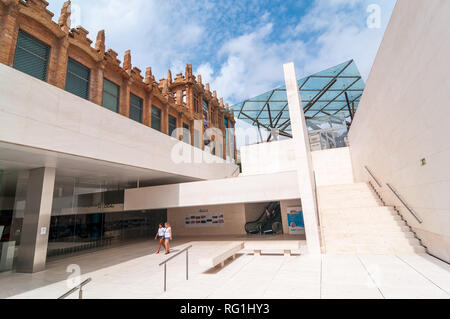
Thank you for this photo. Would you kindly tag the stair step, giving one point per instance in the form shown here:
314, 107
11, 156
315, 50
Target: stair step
354, 219
394, 224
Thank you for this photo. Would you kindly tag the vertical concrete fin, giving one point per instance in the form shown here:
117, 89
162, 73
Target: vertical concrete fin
303, 154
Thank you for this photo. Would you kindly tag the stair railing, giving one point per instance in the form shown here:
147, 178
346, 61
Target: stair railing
373, 176
417, 217
395, 192
74, 289
172, 257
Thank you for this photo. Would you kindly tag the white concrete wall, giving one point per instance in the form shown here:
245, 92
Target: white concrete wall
333, 166
267, 158
246, 189
404, 116
36, 114
234, 217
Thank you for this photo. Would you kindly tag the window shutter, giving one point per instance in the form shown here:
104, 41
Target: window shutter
111, 95
172, 124
78, 79
156, 118
31, 56
136, 104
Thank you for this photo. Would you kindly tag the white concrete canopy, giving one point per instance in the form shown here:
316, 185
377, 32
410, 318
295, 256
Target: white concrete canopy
40, 116
247, 189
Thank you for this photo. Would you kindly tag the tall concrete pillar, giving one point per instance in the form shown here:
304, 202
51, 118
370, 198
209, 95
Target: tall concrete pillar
303, 154
36, 221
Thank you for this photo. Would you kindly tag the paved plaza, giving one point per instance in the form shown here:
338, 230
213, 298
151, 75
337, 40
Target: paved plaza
132, 271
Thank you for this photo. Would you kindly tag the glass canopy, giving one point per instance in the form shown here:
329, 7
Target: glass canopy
333, 92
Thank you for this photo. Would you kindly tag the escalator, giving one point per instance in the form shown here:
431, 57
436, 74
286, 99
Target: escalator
268, 223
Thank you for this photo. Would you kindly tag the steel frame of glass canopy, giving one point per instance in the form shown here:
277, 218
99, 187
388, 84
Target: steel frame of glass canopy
333, 92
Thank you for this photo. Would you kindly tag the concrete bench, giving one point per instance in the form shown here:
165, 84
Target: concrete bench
286, 247
222, 254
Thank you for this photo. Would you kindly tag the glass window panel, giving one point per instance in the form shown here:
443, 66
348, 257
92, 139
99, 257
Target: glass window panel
333, 71
344, 83
262, 97
351, 70
279, 96
316, 83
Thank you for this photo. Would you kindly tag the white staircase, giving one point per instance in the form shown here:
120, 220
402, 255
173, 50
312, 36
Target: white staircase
353, 220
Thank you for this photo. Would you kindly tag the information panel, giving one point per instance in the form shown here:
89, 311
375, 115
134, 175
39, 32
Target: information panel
204, 219
295, 220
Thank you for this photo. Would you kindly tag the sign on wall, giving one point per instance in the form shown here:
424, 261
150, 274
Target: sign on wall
295, 220
204, 219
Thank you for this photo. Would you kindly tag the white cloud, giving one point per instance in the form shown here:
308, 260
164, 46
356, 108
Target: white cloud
206, 71
332, 32
158, 33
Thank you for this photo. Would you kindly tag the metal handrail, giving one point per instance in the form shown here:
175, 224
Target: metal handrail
172, 257
78, 287
417, 217
373, 176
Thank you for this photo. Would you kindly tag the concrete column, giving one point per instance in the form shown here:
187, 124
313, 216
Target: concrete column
36, 222
303, 155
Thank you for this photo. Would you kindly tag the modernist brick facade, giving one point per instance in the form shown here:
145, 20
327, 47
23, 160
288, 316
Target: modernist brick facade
181, 97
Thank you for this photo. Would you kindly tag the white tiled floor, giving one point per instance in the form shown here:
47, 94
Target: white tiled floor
132, 271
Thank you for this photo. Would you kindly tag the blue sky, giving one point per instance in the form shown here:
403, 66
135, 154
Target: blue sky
237, 46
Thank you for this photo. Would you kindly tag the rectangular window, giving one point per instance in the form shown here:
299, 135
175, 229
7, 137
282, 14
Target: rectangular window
78, 79
136, 105
156, 118
172, 124
205, 113
111, 95
186, 134
31, 56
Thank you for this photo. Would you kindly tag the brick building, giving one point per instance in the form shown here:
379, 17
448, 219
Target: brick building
32, 42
